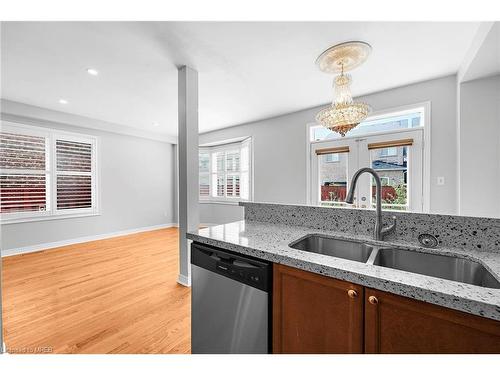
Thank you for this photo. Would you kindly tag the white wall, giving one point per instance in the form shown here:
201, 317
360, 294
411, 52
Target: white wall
219, 213
137, 182
479, 143
280, 148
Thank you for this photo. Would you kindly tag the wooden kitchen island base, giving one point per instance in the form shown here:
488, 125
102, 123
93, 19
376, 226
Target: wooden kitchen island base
318, 314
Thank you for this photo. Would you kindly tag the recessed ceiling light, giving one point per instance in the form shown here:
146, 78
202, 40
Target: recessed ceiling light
63, 101
92, 72
156, 124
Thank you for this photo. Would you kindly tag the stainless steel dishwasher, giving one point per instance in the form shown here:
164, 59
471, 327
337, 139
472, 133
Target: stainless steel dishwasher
230, 302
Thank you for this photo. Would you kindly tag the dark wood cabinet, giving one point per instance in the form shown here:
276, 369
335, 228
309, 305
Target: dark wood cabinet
395, 324
315, 314
319, 314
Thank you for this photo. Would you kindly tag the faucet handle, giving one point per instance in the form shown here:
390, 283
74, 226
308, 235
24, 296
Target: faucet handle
391, 228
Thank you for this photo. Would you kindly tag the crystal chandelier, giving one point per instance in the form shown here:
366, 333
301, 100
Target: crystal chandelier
344, 113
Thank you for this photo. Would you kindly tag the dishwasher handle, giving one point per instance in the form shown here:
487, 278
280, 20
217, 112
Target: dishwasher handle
250, 271
226, 258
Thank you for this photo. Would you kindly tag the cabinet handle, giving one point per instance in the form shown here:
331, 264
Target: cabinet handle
373, 300
352, 293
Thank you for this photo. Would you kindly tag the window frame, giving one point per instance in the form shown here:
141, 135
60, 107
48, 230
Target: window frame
212, 173
52, 213
385, 178
423, 108
315, 177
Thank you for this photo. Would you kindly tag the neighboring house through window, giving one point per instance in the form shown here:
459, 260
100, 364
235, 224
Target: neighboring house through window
332, 158
46, 173
385, 181
388, 151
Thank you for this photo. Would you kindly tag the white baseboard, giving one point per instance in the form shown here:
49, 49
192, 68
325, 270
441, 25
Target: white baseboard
184, 280
72, 241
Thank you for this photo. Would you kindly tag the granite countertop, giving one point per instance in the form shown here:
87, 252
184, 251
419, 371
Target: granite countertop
270, 242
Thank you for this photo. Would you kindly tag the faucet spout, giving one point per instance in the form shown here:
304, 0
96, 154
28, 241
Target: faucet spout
379, 231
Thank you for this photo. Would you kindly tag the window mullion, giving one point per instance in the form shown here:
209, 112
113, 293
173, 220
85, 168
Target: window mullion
51, 154
225, 184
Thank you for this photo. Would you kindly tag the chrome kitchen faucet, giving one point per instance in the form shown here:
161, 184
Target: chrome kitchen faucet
380, 232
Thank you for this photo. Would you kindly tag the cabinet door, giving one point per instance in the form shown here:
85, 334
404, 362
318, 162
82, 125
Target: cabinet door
395, 324
315, 314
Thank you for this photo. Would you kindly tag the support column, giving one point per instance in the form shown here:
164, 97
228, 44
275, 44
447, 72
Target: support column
188, 166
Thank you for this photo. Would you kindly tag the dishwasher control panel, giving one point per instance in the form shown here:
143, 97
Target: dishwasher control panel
249, 271
240, 273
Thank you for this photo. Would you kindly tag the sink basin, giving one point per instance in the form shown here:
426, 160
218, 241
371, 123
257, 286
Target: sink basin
444, 267
351, 250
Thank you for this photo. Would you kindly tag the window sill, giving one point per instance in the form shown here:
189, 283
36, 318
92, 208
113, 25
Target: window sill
228, 203
45, 218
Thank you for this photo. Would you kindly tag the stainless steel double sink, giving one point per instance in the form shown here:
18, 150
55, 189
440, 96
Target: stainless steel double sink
436, 265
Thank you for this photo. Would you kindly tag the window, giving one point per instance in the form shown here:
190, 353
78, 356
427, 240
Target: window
391, 164
332, 173
225, 172
388, 151
391, 144
204, 169
384, 180
46, 173
409, 119
332, 158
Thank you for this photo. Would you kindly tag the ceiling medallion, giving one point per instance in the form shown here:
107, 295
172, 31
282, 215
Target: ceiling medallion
343, 114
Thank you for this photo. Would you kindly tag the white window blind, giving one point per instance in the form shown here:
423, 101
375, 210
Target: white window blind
225, 172
46, 173
74, 174
24, 172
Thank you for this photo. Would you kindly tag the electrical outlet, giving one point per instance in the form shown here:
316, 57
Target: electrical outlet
440, 180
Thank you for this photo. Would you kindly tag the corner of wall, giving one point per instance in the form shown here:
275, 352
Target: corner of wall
458, 141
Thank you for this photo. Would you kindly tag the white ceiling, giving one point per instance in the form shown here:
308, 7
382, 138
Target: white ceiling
486, 57
247, 71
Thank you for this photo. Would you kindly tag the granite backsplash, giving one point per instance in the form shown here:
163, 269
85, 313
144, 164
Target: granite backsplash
451, 231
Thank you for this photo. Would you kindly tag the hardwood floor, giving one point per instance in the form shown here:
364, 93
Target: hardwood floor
118, 295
